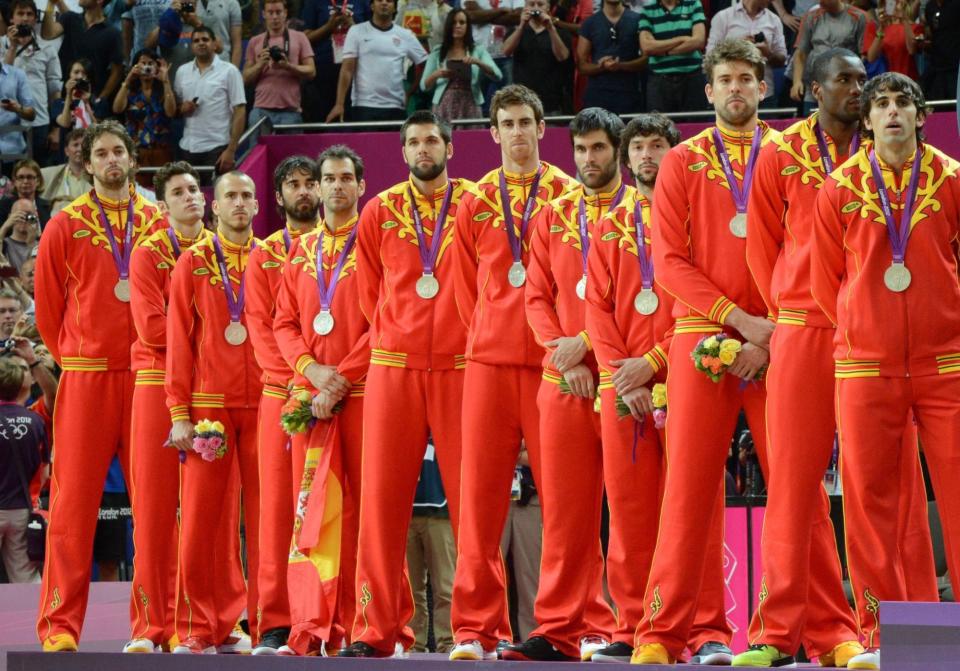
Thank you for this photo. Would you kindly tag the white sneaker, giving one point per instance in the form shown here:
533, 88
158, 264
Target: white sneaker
590, 645
399, 652
237, 643
471, 651
140, 645
869, 659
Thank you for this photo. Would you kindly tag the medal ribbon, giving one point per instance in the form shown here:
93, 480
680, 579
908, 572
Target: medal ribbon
122, 262
516, 243
173, 242
287, 242
825, 152
324, 290
234, 301
646, 263
739, 193
428, 257
898, 237
582, 220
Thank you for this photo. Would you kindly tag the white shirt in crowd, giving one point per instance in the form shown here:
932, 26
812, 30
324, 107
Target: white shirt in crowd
734, 22
381, 56
217, 90
41, 62
492, 35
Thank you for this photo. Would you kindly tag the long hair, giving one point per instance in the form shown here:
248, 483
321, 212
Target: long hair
447, 43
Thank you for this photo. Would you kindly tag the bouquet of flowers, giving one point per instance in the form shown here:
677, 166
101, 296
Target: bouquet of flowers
714, 354
297, 414
659, 394
209, 440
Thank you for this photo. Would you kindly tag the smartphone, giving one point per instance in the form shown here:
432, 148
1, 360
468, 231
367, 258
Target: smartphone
8, 271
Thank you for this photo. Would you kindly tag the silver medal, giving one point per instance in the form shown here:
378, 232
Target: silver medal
323, 322
427, 286
897, 277
517, 275
582, 288
122, 290
738, 225
235, 333
646, 302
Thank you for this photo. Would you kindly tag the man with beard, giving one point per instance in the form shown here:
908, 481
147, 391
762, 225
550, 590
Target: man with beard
503, 360
155, 471
84, 318
415, 381
571, 472
630, 324
699, 255
212, 375
296, 189
323, 337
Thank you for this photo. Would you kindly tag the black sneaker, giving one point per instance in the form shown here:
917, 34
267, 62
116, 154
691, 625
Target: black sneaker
615, 652
272, 641
361, 649
536, 649
713, 653
502, 645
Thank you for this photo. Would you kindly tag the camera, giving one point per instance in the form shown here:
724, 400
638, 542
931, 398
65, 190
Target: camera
148, 70
30, 218
759, 37
7, 346
82, 85
187, 8
23, 30
276, 53
535, 14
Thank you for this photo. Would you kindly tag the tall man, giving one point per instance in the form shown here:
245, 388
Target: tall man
296, 190
571, 477
212, 375
416, 371
503, 360
801, 590
84, 318
698, 249
883, 269
323, 337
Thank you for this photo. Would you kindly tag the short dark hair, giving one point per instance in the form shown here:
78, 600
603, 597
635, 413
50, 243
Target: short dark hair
820, 66
74, 134
232, 173
653, 123
11, 379
168, 172
734, 50
204, 29
424, 118
93, 133
341, 151
291, 164
597, 118
264, 3
23, 4
515, 94
893, 82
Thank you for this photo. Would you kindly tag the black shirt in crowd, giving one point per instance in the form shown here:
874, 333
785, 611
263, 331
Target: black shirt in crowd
535, 66
101, 44
23, 437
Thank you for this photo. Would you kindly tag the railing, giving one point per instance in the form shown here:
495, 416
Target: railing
249, 138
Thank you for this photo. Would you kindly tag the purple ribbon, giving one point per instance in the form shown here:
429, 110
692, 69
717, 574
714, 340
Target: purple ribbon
428, 257
122, 262
324, 290
825, 152
739, 194
234, 301
582, 220
898, 236
646, 263
515, 243
173, 242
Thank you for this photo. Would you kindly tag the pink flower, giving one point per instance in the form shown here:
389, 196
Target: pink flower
659, 418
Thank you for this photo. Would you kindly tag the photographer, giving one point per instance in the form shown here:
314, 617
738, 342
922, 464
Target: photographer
22, 47
541, 56
146, 102
27, 183
75, 109
277, 61
19, 233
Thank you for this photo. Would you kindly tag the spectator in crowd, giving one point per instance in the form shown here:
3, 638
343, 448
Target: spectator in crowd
431, 554
147, 105
791, 15
16, 106
894, 39
74, 109
11, 309
176, 24
833, 24
19, 233
67, 181
672, 34
491, 19
326, 25
522, 543
752, 20
22, 47
941, 21
26, 283
137, 21
214, 103
87, 36
277, 61
23, 447
376, 70
453, 70
424, 18
27, 184
541, 56
608, 54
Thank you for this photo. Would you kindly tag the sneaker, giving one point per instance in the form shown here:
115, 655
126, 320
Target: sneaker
536, 649
502, 645
195, 646
361, 649
869, 659
591, 644
60, 643
271, 642
471, 651
713, 653
615, 652
140, 645
651, 653
237, 643
399, 652
764, 656
841, 655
